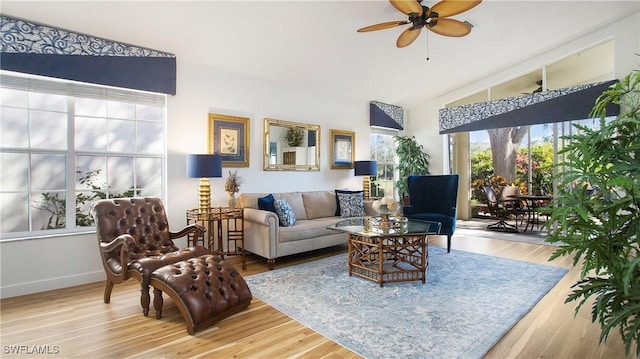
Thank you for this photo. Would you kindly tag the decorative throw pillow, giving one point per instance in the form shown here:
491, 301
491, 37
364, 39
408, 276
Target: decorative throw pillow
267, 203
338, 191
351, 204
285, 213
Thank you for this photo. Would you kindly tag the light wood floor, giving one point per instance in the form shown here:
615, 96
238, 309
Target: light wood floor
74, 322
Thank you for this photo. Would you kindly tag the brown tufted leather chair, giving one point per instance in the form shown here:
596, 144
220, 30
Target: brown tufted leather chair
134, 239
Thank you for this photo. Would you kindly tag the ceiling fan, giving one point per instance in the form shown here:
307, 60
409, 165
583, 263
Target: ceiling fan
435, 19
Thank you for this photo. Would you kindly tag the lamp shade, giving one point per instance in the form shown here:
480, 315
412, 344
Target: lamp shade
366, 168
204, 166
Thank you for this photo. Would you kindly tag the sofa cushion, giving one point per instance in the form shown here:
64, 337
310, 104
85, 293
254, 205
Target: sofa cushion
285, 214
351, 204
338, 191
319, 204
295, 201
307, 229
266, 203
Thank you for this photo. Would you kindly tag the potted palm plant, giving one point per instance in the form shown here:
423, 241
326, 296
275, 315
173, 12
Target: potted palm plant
412, 160
601, 231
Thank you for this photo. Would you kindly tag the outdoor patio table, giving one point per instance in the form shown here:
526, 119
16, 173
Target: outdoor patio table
533, 202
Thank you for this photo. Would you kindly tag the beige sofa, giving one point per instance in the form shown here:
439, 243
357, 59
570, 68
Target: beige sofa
314, 212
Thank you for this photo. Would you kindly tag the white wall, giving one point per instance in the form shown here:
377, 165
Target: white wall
31, 266
202, 90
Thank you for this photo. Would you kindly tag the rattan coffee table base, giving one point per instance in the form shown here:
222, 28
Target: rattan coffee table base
388, 259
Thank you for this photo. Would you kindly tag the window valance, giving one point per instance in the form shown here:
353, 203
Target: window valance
560, 105
386, 116
37, 49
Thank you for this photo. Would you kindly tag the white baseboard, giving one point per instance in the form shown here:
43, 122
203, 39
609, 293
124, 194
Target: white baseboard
46, 284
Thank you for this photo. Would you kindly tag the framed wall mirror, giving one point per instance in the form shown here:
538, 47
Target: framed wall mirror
291, 146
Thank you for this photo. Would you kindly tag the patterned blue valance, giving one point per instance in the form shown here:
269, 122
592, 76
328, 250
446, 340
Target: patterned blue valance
385, 115
560, 105
38, 49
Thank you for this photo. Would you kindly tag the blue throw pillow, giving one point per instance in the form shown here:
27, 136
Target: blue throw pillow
266, 203
338, 191
351, 204
285, 213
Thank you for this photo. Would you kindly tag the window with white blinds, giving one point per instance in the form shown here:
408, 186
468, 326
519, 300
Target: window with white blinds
65, 144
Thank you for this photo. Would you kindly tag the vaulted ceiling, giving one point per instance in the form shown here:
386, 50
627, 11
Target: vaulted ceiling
314, 44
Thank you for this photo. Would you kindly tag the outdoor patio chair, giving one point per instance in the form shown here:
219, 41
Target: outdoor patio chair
500, 209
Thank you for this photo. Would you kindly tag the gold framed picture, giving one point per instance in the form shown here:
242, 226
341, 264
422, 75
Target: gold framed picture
342, 149
229, 138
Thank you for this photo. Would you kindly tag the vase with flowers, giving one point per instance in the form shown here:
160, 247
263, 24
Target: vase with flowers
232, 186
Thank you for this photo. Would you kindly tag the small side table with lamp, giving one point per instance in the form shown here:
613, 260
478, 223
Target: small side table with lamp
218, 221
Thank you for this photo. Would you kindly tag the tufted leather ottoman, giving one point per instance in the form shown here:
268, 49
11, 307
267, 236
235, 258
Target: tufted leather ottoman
205, 289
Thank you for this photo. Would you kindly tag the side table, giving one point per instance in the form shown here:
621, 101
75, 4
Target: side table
221, 223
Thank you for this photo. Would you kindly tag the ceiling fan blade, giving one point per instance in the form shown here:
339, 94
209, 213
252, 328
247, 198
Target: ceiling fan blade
450, 27
384, 25
407, 37
407, 6
446, 8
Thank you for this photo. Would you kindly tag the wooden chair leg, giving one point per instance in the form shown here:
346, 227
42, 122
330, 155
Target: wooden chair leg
157, 302
145, 299
107, 291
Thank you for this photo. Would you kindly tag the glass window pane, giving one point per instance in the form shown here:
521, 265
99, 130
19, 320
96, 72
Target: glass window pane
91, 173
14, 98
91, 133
48, 172
48, 211
481, 164
45, 101
150, 113
121, 110
120, 173
14, 128
525, 84
83, 207
15, 212
150, 192
148, 172
90, 107
150, 138
591, 65
49, 130
120, 136
14, 172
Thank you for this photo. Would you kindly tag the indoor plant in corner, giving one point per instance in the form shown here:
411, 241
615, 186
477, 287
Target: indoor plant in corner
601, 230
412, 160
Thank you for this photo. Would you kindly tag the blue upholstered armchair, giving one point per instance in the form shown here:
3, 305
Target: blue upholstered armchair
434, 198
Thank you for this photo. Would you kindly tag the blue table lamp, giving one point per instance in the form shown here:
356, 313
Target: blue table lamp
366, 169
204, 166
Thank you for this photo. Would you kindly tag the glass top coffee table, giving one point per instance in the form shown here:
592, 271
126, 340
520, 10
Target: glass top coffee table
388, 253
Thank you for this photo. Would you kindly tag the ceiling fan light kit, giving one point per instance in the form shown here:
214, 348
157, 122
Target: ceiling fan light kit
436, 19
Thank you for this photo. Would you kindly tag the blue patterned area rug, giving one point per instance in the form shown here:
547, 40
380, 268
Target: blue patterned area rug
467, 304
